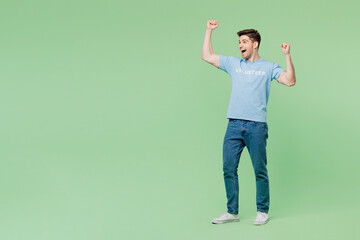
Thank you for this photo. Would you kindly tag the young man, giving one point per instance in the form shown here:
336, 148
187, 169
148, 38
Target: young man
251, 77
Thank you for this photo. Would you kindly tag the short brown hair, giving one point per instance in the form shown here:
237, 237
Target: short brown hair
253, 34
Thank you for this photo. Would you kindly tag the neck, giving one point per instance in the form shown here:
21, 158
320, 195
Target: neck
253, 57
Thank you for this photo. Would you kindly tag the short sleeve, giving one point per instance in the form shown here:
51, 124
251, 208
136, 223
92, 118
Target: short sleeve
224, 63
276, 71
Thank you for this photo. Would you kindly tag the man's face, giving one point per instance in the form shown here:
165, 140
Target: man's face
247, 47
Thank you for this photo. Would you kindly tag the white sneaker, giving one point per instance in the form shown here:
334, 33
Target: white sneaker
225, 218
261, 218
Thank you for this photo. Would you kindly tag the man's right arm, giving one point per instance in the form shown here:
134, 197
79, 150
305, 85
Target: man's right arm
207, 52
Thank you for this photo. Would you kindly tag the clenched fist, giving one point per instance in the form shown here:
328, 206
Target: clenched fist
285, 47
212, 24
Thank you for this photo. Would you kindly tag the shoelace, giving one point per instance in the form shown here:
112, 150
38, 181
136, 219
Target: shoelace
260, 215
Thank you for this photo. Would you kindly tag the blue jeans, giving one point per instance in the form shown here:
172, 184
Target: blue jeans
253, 135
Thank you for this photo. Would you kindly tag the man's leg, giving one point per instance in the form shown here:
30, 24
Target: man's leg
255, 139
232, 148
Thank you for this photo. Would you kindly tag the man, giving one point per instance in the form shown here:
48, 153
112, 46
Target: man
251, 77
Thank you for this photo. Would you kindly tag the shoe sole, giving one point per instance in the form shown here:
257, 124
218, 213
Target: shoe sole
260, 223
226, 221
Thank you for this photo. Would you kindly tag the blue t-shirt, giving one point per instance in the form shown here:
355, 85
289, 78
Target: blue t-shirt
250, 89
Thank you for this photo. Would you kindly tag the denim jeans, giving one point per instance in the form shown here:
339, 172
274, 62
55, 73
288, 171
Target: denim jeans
253, 135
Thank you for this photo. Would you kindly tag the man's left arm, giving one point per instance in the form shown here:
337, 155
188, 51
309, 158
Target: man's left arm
287, 77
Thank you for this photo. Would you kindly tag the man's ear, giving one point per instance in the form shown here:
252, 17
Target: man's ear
256, 45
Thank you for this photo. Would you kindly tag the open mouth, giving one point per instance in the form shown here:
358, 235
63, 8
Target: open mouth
242, 51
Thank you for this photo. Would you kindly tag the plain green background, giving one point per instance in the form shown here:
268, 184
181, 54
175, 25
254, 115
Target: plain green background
112, 124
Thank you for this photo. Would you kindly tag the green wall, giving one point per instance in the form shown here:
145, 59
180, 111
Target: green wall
111, 124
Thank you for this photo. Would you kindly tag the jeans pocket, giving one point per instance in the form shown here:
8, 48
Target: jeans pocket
266, 131
231, 121
260, 125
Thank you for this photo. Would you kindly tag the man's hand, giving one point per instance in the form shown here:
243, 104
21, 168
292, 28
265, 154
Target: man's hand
212, 24
285, 47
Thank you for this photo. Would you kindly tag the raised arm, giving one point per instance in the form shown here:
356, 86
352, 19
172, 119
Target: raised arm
207, 52
287, 77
